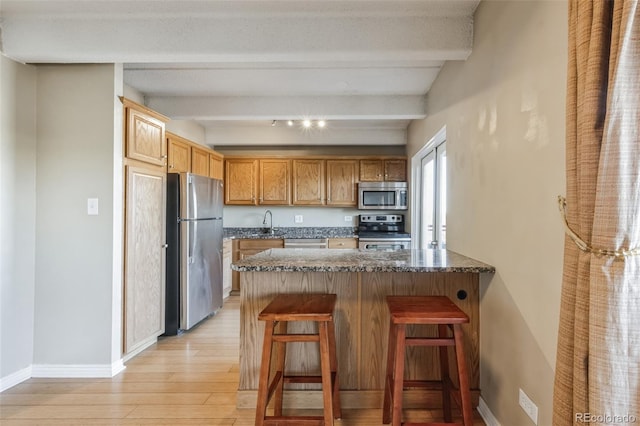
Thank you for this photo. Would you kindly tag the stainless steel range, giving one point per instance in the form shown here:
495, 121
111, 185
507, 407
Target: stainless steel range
382, 232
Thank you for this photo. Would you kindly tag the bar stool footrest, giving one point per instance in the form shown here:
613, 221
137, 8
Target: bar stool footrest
294, 420
302, 379
431, 424
422, 384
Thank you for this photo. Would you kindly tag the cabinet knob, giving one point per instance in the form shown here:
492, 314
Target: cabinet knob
164, 157
165, 246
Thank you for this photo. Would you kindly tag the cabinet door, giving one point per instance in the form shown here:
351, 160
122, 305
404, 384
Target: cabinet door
395, 170
308, 182
342, 178
371, 170
227, 253
240, 181
145, 138
216, 170
248, 247
343, 243
199, 161
179, 155
274, 182
144, 266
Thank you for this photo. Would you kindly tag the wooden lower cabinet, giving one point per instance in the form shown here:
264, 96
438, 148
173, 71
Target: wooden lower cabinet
342, 243
362, 326
145, 255
227, 256
248, 247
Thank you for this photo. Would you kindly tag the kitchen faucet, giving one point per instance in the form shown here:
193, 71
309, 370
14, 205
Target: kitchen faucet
264, 220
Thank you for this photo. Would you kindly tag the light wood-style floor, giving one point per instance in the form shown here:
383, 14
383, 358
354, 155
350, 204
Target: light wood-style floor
190, 379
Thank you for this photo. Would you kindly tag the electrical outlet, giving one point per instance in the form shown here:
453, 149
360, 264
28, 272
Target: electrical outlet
348, 218
297, 218
528, 406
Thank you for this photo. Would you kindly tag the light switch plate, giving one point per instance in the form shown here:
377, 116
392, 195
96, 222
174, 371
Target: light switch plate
92, 206
297, 218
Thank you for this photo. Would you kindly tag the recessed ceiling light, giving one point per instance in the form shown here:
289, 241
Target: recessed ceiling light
306, 123
290, 123
321, 123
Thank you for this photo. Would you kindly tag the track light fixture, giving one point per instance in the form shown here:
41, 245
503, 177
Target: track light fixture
305, 124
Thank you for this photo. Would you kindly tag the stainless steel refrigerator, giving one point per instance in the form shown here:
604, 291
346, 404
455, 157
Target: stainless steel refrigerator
194, 252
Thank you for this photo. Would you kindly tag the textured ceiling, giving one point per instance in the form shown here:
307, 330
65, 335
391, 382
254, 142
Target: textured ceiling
234, 66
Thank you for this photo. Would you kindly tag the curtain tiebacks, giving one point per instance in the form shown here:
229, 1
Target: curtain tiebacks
586, 247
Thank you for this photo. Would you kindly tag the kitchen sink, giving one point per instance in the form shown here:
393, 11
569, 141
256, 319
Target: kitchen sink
273, 232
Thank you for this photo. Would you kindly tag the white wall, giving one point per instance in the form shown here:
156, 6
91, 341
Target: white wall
504, 113
187, 129
133, 94
79, 136
17, 219
243, 216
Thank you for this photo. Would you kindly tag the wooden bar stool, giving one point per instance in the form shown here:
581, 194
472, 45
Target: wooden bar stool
440, 311
298, 307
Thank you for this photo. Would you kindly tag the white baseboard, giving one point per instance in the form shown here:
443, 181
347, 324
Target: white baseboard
486, 414
15, 378
78, 370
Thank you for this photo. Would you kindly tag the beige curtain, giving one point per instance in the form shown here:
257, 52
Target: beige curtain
598, 359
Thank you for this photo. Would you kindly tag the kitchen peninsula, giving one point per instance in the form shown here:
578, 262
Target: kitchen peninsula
361, 279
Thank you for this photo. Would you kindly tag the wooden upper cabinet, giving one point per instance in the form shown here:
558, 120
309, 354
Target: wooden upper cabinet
308, 182
371, 170
342, 180
392, 170
395, 170
274, 187
145, 138
199, 161
216, 166
179, 154
240, 181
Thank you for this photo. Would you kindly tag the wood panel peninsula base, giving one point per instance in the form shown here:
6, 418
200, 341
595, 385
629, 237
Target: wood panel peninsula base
361, 279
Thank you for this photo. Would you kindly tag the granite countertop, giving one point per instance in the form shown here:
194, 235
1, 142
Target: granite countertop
291, 232
355, 260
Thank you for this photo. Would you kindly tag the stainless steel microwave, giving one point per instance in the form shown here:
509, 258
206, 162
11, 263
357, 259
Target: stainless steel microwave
382, 196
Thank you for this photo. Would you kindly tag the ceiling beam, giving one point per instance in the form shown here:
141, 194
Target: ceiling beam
285, 136
192, 37
290, 107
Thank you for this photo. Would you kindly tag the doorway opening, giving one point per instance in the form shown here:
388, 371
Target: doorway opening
429, 195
